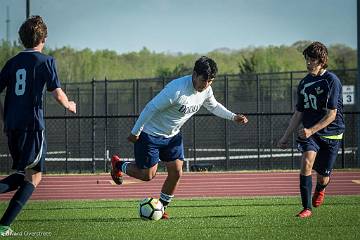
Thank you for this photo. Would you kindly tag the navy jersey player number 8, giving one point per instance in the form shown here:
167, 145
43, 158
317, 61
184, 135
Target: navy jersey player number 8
20, 82
24, 77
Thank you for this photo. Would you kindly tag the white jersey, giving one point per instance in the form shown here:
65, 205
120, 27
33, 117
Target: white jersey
165, 114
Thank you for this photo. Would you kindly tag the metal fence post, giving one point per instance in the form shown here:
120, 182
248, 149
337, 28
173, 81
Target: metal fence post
66, 137
9, 159
137, 111
258, 135
163, 82
292, 109
194, 138
227, 140
106, 125
343, 152
93, 126
270, 123
134, 97
357, 92
78, 109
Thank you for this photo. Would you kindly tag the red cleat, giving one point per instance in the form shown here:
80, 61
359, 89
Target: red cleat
318, 198
165, 216
304, 213
116, 174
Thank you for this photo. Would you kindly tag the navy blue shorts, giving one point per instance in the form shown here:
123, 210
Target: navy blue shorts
149, 150
27, 149
326, 149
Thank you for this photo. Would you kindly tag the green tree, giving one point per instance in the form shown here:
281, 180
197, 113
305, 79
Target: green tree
83, 65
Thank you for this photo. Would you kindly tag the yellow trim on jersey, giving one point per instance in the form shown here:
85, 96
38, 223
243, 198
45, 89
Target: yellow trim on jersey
335, 137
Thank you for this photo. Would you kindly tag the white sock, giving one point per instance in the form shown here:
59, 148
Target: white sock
165, 198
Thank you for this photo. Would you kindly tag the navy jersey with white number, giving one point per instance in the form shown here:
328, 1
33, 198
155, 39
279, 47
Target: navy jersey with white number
315, 96
24, 77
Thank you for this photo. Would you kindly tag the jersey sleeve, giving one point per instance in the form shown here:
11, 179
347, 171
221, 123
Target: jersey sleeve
217, 108
161, 101
334, 93
146, 114
52, 81
167, 97
210, 102
223, 112
300, 99
4, 77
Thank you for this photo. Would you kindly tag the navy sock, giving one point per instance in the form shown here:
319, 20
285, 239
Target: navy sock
319, 187
11, 182
17, 202
305, 191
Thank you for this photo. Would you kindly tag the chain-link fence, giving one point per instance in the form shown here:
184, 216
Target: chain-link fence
107, 111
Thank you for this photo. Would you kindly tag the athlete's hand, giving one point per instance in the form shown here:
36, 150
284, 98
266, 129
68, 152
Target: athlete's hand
305, 133
282, 143
132, 138
72, 107
239, 118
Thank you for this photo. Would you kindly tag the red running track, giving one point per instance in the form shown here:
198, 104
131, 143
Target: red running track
210, 184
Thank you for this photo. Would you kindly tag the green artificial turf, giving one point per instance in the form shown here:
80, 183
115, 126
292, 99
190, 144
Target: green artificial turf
208, 218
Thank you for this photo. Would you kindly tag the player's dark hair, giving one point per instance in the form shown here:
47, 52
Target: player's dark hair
206, 67
32, 32
318, 51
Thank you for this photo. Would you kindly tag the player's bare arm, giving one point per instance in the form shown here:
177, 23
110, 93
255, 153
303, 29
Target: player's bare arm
61, 98
294, 123
323, 123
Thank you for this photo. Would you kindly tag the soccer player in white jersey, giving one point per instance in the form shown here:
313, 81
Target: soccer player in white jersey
156, 134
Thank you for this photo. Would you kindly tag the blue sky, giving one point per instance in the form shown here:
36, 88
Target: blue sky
188, 26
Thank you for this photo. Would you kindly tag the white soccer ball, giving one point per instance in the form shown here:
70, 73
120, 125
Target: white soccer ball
151, 209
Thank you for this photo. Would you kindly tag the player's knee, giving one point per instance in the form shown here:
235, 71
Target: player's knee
34, 179
307, 166
36, 182
148, 176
